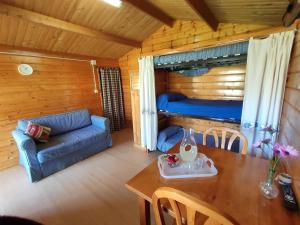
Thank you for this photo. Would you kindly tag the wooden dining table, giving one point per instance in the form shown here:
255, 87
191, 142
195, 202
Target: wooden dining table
234, 190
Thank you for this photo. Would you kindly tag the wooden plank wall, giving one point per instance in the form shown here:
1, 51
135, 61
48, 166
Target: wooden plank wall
56, 86
135, 97
220, 83
188, 35
161, 81
183, 36
290, 121
129, 71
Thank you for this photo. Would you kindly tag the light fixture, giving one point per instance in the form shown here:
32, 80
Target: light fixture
115, 3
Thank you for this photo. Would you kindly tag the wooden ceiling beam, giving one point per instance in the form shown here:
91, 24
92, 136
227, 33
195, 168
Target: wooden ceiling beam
200, 7
23, 51
30, 52
153, 11
38, 18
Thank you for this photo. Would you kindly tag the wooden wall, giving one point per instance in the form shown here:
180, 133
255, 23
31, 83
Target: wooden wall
290, 121
183, 36
128, 73
220, 83
161, 81
56, 86
190, 35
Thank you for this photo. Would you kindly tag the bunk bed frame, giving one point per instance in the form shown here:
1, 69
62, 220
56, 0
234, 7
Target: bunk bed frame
168, 114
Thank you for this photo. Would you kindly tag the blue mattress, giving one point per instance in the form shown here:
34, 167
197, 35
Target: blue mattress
223, 110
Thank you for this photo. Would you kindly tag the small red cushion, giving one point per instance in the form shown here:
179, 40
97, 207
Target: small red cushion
38, 132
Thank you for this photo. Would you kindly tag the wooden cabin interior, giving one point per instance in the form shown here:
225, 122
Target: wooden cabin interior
149, 112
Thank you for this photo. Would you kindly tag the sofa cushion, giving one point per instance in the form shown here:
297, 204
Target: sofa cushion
67, 143
60, 123
38, 132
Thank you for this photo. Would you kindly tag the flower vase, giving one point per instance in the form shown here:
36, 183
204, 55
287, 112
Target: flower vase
267, 188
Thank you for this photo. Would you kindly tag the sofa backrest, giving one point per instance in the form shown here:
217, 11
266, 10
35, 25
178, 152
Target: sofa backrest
60, 123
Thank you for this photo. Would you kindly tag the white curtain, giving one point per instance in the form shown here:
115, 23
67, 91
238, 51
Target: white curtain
148, 112
267, 66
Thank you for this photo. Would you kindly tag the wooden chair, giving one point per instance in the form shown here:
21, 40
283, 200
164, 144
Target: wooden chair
192, 205
224, 131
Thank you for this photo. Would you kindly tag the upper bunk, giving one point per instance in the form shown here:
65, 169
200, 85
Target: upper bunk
189, 68
175, 104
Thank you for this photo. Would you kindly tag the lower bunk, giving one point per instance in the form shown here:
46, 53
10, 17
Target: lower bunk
171, 131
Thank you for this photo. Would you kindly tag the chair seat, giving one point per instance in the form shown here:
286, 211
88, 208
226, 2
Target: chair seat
67, 143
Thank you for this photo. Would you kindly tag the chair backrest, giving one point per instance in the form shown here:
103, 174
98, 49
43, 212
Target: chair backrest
192, 205
224, 131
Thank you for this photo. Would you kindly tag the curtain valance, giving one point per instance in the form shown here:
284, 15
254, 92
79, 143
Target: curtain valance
226, 50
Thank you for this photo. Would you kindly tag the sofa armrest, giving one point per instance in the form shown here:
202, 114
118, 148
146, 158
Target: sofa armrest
24, 142
28, 155
100, 122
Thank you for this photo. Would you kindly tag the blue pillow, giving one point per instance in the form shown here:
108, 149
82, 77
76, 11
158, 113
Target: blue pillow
174, 97
166, 134
163, 99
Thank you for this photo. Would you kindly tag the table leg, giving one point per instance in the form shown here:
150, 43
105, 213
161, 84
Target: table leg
144, 207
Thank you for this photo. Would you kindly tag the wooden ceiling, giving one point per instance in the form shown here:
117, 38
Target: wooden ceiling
267, 12
127, 22
94, 28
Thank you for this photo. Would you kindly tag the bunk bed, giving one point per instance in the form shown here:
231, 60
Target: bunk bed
175, 104
176, 110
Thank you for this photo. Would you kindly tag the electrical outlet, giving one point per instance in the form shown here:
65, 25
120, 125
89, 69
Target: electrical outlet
93, 62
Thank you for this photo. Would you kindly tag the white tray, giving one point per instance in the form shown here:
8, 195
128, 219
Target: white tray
187, 169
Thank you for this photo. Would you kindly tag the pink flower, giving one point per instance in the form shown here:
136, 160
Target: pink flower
291, 150
283, 151
277, 148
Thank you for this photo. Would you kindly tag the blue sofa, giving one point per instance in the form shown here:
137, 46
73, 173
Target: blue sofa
74, 136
